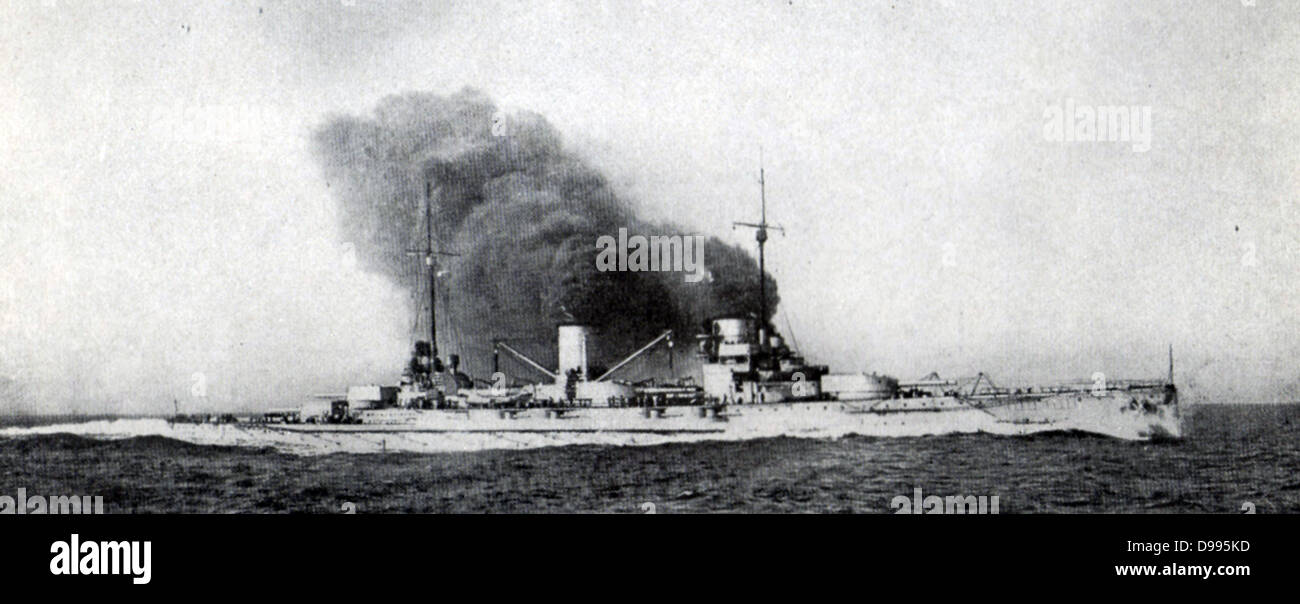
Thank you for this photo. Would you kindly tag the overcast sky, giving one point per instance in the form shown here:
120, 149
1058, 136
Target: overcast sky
165, 232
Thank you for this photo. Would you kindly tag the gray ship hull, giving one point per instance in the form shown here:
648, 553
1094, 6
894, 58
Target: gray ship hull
1131, 414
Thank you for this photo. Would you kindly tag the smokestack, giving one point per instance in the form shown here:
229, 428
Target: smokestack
572, 346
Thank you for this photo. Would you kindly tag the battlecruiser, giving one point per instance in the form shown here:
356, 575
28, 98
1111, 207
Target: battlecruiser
751, 383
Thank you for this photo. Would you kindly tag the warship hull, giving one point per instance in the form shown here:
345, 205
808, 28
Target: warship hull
1131, 414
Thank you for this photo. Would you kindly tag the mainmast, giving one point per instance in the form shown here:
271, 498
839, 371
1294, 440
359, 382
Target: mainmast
761, 229
762, 259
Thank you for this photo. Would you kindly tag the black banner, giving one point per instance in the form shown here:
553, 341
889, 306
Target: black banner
299, 554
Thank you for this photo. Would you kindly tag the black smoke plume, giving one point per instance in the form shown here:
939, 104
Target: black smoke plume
524, 213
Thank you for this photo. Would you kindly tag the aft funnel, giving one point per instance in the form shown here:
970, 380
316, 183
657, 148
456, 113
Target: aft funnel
572, 347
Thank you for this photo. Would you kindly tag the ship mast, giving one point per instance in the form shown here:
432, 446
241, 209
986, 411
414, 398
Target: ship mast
761, 229
433, 269
762, 259
1171, 363
430, 261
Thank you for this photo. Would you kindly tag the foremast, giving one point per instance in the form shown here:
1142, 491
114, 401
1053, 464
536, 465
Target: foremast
426, 364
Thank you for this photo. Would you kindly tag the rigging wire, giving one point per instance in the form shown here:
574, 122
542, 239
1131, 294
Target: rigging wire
790, 329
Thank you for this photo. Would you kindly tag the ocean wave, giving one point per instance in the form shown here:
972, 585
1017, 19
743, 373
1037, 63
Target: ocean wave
324, 443
300, 442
